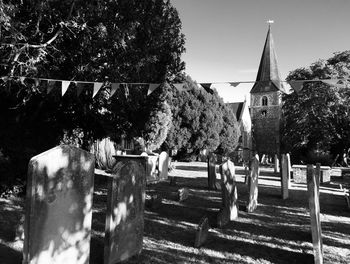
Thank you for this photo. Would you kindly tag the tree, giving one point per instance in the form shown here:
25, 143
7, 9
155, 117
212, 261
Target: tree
200, 121
316, 121
107, 41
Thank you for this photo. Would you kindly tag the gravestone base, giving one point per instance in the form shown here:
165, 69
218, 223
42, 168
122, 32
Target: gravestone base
153, 201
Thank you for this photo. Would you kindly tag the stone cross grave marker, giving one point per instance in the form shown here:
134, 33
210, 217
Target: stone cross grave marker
163, 165
253, 185
229, 189
59, 207
211, 171
313, 182
125, 209
285, 176
202, 232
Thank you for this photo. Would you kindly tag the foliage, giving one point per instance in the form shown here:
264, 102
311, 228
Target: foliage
106, 41
200, 121
317, 119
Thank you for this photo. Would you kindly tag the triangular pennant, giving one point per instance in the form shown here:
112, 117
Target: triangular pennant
152, 87
65, 85
114, 88
80, 88
5, 78
50, 86
126, 90
234, 84
206, 87
331, 81
296, 85
97, 87
36, 82
179, 86
21, 79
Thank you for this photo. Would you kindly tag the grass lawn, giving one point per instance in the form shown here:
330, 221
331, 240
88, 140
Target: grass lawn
277, 232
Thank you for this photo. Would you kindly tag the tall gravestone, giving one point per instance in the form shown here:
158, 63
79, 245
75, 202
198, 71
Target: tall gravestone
314, 205
285, 176
163, 165
276, 164
211, 171
125, 209
229, 190
59, 207
253, 184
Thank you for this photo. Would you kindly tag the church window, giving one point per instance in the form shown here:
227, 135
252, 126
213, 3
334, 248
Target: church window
263, 113
264, 101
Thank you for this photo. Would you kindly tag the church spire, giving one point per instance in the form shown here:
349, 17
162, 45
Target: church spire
268, 78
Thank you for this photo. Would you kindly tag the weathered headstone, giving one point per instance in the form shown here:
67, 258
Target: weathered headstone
314, 205
163, 165
59, 207
211, 171
276, 164
285, 176
253, 184
125, 209
229, 189
152, 172
202, 232
223, 218
183, 194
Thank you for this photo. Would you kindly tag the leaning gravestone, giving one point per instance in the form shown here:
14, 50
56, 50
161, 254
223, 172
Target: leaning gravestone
253, 184
58, 207
163, 165
229, 189
314, 205
125, 209
202, 232
211, 171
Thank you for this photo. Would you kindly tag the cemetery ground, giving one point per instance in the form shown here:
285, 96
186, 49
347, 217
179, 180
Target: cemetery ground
278, 231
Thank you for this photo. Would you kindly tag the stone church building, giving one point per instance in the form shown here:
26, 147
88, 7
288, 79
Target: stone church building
265, 102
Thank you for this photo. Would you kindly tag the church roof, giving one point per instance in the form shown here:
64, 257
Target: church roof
268, 78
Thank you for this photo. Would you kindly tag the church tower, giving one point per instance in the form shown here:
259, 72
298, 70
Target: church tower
265, 104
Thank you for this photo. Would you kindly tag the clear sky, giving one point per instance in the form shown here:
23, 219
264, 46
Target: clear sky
225, 38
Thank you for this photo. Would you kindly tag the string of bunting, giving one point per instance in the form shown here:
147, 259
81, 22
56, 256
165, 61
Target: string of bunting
51, 84
297, 85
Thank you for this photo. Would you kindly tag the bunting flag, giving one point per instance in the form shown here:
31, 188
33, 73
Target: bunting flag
296, 85
179, 86
97, 87
207, 86
114, 88
80, 88
36, 82
126, 90
152, 87
332, 82
50, 86
234, 84
21, 79
65, 85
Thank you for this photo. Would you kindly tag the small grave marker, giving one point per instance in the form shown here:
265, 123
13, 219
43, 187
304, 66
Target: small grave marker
183, 194
202, 232
211, 172
153, 201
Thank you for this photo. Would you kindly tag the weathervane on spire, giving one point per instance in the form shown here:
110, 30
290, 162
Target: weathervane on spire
270, 22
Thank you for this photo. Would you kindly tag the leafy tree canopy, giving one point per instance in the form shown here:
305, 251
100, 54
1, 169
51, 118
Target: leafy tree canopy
200, 121
317, 120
